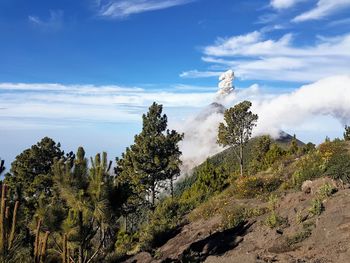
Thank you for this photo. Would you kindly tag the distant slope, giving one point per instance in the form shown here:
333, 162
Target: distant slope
228, 156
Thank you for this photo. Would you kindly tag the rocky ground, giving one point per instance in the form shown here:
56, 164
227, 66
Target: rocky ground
301, 238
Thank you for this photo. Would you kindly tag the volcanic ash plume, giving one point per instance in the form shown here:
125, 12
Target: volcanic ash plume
226, 84
201, 131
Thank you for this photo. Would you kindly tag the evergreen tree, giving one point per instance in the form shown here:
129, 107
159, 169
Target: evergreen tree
347, 133
293, 147
88, 194
153, 159
237, 129
31, 176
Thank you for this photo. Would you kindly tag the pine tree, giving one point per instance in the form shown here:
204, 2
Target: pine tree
87, 193
153, 159
237, 129
293, 147
31, 175
8, 225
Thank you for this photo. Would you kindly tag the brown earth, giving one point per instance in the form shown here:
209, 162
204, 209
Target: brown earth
302, 238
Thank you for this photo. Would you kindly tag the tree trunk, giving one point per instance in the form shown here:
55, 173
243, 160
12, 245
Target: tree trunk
80, 249
172, 188
241, 159
153, 197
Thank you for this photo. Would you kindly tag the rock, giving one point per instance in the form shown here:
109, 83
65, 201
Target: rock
306, 187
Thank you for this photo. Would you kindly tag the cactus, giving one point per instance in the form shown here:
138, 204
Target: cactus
7, 226
40, 245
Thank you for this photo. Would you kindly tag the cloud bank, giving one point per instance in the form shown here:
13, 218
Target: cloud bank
45, 104
255, 57
323, 9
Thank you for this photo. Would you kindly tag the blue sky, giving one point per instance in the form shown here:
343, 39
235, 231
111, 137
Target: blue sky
83, 72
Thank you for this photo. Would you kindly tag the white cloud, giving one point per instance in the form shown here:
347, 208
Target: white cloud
284, 4
54, 103
323, 9
326, 97
54, 22
253, 56
125, 8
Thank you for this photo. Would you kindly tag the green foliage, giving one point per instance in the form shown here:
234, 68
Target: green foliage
237, 129
87, 193
8, 225
316, 207
252, 186
261, 148
299, 237
163, 222
31, 175
153, 159
274, 154
326, 191
125, 243
210, 179
273, 220
232, 218
309, 167
338, 167
308, 148
347, 133
184, 183
330, 149
293, 147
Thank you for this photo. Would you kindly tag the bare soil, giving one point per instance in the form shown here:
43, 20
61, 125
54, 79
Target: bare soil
303, 238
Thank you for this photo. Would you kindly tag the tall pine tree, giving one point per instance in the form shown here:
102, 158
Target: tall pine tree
154, 158
237, 129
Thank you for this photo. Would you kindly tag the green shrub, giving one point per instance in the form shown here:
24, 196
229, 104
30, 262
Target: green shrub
316, 207
125, 242
272, 202
273, 220
163, 222
252, 186
338, 167
232, 218
309, 167
299, 237
326, 190
208, 209
274, 154
329, 149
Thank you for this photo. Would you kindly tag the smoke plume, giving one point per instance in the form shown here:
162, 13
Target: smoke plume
327, 97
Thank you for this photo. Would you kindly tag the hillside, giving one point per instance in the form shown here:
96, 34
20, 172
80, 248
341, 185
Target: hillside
322, 238
304, 217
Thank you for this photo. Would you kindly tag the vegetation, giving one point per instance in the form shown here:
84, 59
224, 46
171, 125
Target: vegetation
347, 133
68, 208
237, 129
